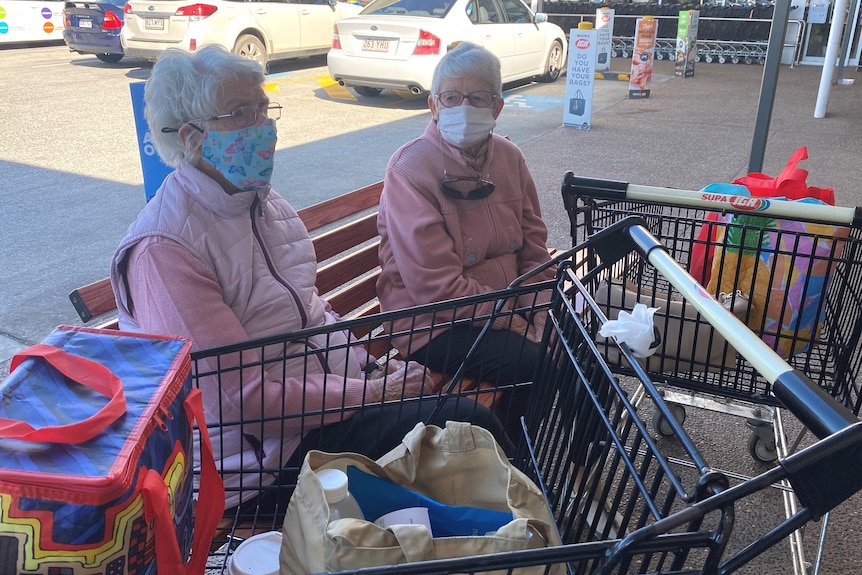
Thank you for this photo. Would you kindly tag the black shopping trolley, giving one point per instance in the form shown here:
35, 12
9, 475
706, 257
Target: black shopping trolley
715, 235
620, 501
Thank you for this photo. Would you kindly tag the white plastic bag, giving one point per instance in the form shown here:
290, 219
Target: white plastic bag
636, 330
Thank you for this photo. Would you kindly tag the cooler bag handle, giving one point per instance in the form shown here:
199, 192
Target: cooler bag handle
88, 373
207, 513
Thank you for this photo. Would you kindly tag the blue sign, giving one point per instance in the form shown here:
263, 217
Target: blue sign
152, 166
46, 13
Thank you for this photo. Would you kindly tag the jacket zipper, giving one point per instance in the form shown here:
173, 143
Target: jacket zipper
257, 205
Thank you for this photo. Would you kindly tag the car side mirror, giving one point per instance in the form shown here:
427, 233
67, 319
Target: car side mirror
541, 17
332, 2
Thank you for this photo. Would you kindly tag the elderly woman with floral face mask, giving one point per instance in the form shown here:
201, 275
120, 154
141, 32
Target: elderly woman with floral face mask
219, 257
460, 216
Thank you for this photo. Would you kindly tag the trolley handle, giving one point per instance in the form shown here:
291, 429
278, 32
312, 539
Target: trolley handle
614, 190
810, 403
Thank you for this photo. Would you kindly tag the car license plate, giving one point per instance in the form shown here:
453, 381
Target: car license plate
375, 45
154, 23
85, 23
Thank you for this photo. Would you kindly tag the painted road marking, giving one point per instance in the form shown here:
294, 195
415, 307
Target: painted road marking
524, 101
334, 89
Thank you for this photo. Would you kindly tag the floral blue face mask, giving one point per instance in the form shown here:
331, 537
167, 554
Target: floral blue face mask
244, 157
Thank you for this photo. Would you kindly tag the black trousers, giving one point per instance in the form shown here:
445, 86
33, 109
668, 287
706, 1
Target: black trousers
373, 432
503, 358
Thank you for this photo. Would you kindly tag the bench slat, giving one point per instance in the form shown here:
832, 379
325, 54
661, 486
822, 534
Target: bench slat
93, 300
342, 238
335, 274
340, 207
348, 300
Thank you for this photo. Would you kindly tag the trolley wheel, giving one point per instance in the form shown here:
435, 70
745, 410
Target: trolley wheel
659, 55
698, 58
662, 426
708, 58
627, 54
734, 60
722, 59
762, 449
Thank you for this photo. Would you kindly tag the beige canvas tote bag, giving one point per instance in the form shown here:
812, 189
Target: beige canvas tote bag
459, 465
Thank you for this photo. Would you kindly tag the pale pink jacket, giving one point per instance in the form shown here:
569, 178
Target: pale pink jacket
222, 269
434, 248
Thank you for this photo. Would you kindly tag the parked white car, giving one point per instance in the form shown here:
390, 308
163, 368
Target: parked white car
396, 44
262, 31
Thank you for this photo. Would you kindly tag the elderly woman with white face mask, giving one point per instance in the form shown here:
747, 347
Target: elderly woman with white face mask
460, 216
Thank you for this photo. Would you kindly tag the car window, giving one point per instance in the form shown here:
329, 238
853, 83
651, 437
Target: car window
488, 12
517, 11
427, 8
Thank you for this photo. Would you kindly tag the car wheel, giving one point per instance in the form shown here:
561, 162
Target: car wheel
554, 63
251, 47
110, 58
367, 91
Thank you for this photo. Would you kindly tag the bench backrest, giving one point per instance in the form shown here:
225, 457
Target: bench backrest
344, 233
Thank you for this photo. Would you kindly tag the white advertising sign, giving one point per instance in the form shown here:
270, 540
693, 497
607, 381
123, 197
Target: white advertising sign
604, 38
580, 78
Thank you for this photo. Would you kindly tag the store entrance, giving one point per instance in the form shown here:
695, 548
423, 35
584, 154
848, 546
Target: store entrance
819, 20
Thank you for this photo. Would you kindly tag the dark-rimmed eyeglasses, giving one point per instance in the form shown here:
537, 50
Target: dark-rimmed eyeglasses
241, 117
483, 189
480, 99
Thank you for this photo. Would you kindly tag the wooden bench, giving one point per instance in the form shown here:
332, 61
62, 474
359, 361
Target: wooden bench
344, 233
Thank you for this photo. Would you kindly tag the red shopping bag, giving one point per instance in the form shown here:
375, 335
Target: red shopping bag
790, 184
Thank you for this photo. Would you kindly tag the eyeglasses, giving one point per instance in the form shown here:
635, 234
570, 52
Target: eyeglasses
242, 117
246, 116
483, 189
480, 99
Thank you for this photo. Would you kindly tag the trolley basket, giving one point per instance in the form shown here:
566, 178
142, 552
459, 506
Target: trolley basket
621, 502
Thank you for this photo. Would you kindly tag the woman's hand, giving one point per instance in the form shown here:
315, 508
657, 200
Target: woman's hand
403, 379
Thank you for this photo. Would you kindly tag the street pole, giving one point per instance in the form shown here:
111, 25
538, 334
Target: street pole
768, 84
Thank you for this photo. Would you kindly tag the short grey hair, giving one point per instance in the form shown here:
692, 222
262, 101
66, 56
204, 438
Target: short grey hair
468, 60
184, 87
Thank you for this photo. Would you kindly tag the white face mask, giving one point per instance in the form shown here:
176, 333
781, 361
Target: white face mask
465, 126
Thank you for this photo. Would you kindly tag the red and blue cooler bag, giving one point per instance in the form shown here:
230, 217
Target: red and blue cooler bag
96, 458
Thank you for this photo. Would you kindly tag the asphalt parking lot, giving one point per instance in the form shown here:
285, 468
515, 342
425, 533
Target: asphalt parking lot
72, 182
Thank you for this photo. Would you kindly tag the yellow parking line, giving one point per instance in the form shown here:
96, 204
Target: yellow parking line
335, 91
407, 96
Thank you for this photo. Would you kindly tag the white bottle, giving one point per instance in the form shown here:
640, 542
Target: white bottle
342, 505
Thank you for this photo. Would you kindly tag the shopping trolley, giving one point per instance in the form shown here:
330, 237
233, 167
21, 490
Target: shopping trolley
621, 503
728, 382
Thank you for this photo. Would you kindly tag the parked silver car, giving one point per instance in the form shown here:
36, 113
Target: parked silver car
262, 31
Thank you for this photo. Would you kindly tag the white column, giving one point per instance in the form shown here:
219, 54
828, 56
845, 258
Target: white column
832, 46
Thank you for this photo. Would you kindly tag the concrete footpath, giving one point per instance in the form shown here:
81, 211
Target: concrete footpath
695, 131
692, 132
